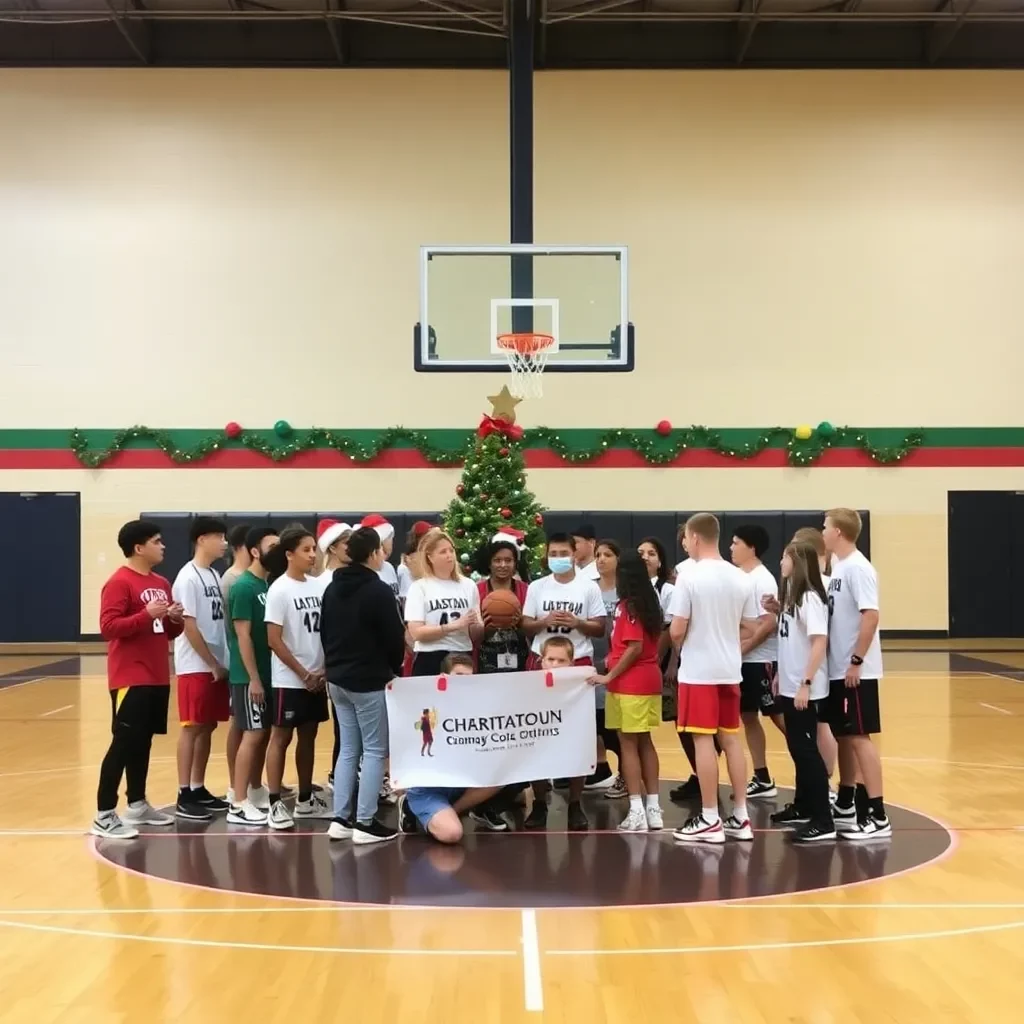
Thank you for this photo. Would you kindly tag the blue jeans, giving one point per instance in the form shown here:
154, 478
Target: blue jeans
363, 724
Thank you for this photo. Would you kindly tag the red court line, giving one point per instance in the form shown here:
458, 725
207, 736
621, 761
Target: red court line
536, 458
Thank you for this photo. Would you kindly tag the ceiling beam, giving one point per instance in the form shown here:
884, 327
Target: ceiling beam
944, 33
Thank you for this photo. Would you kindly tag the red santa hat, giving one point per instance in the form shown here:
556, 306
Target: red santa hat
328, 531
377, 522
421, 527
511, 536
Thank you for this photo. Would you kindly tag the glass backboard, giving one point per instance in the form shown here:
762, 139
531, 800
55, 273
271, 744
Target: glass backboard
471, 295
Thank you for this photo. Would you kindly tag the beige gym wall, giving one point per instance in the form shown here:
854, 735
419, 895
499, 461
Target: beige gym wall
181, 248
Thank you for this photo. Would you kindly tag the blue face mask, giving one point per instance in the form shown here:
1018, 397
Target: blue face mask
560, 565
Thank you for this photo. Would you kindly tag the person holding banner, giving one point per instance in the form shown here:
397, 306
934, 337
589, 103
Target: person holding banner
364, 644
566, 605
441, 607
633, 679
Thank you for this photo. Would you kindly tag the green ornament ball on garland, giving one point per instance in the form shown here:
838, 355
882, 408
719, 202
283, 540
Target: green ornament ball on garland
282, 428
467, 520
464, 558
826, 430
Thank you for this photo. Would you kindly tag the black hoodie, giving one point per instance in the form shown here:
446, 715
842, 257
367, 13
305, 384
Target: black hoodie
361, 631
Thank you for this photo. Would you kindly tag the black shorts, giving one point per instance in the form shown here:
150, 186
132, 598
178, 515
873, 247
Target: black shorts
140, 709
299, 707
756, 688
852, 711
428, 663
250, 717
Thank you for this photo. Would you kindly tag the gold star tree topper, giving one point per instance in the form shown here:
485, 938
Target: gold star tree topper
503, 405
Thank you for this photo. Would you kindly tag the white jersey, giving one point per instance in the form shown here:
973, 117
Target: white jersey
580, 596
321, 582
198, 589
764, 585
294, 605
388, 574
404, 576
588, 571
436, 602
852, 589
810, 619
715, 597
664, 598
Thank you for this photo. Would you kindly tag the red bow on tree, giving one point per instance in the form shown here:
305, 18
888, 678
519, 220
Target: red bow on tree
495, 425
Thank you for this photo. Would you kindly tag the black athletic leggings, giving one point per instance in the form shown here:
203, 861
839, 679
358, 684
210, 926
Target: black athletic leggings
337, 737
610, 736
127, 755
811, 776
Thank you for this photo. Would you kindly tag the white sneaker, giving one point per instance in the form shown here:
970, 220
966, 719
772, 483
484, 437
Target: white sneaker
260, 798
340, 829
108, 825
279, 818
699, 830
870, 828
387, 794
617, 790
735, 828
655, 819
144, 813
314, 807
635, 821
845, 819
329, 784
230, 797
246, 814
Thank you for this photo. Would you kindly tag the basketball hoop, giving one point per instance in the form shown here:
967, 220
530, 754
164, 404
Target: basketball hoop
527, 355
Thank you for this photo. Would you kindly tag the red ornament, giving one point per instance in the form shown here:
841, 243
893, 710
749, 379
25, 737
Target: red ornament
460, 532
664, 428
484, 496
503, 452
233, 430
460, 490
538, 519
506, 513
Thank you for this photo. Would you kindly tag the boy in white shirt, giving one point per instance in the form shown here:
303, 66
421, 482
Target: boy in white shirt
585, 539
854, 670
712, 602
760, 652
386, 532
562, 604
200, 663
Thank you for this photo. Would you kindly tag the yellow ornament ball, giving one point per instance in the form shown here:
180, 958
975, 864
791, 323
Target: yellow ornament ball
804, 432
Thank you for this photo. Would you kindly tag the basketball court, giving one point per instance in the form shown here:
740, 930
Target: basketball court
206, 924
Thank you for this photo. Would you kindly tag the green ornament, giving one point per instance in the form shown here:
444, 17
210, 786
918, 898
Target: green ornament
825, 429
282, 428
467, 520
464, 558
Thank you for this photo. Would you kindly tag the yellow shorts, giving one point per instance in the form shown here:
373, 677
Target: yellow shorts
629, 713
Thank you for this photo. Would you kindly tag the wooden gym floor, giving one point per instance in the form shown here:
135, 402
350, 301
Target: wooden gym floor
583, 928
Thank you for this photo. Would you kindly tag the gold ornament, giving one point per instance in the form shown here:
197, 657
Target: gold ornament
503, 405
804, 432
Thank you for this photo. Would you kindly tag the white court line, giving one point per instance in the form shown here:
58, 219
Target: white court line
810, 944
533, 986
28, 682
46, 714
993, 707
263, 947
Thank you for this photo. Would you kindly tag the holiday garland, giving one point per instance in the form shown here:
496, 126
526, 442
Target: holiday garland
804, 446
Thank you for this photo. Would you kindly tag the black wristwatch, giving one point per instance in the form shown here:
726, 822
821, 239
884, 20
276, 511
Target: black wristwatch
856, 659
808, 683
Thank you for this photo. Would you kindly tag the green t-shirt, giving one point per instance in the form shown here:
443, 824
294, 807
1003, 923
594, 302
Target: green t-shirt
246, 600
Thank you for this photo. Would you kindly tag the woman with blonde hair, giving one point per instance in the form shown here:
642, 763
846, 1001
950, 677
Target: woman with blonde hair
442, 607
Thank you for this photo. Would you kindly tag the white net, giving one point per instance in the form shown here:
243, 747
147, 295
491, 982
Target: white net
527, 356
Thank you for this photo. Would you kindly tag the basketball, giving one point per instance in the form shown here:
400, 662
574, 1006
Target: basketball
502, 608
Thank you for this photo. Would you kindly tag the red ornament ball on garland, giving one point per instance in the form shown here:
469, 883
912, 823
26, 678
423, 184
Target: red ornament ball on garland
538, 519
484, 496
664, 428
233, 430
460, 532
460, 490
503, 452
506, 513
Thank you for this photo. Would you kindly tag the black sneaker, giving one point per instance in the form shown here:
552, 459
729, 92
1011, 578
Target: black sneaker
790, 817
561, 783
814, 832
758, 789
538, 817
577, 819
603, 778
191, 809
372, 832
689, 790
205, 798
489, 820
407, 821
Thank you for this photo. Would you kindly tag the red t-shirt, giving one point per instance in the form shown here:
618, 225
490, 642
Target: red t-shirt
137, 653
643, 677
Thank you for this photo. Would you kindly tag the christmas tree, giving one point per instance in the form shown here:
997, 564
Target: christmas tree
492, 493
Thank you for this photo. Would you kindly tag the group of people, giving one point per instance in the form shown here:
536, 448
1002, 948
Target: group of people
304, 624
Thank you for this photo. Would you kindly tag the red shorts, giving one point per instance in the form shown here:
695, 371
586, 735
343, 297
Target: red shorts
533, 662
203, 700
705, 708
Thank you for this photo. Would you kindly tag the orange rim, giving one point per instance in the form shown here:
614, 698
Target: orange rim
525, 344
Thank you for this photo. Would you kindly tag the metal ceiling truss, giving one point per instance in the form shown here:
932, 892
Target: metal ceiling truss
570, 33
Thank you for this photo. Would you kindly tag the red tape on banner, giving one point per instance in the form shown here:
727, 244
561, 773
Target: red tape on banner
549, 679
442, 683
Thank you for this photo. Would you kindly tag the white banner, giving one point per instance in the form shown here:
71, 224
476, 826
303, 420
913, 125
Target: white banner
491, 730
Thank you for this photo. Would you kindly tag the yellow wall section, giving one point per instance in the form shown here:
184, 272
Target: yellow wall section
908, 508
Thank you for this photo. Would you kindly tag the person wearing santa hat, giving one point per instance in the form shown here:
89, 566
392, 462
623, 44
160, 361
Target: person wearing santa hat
332, 542
386, 532
407, 571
